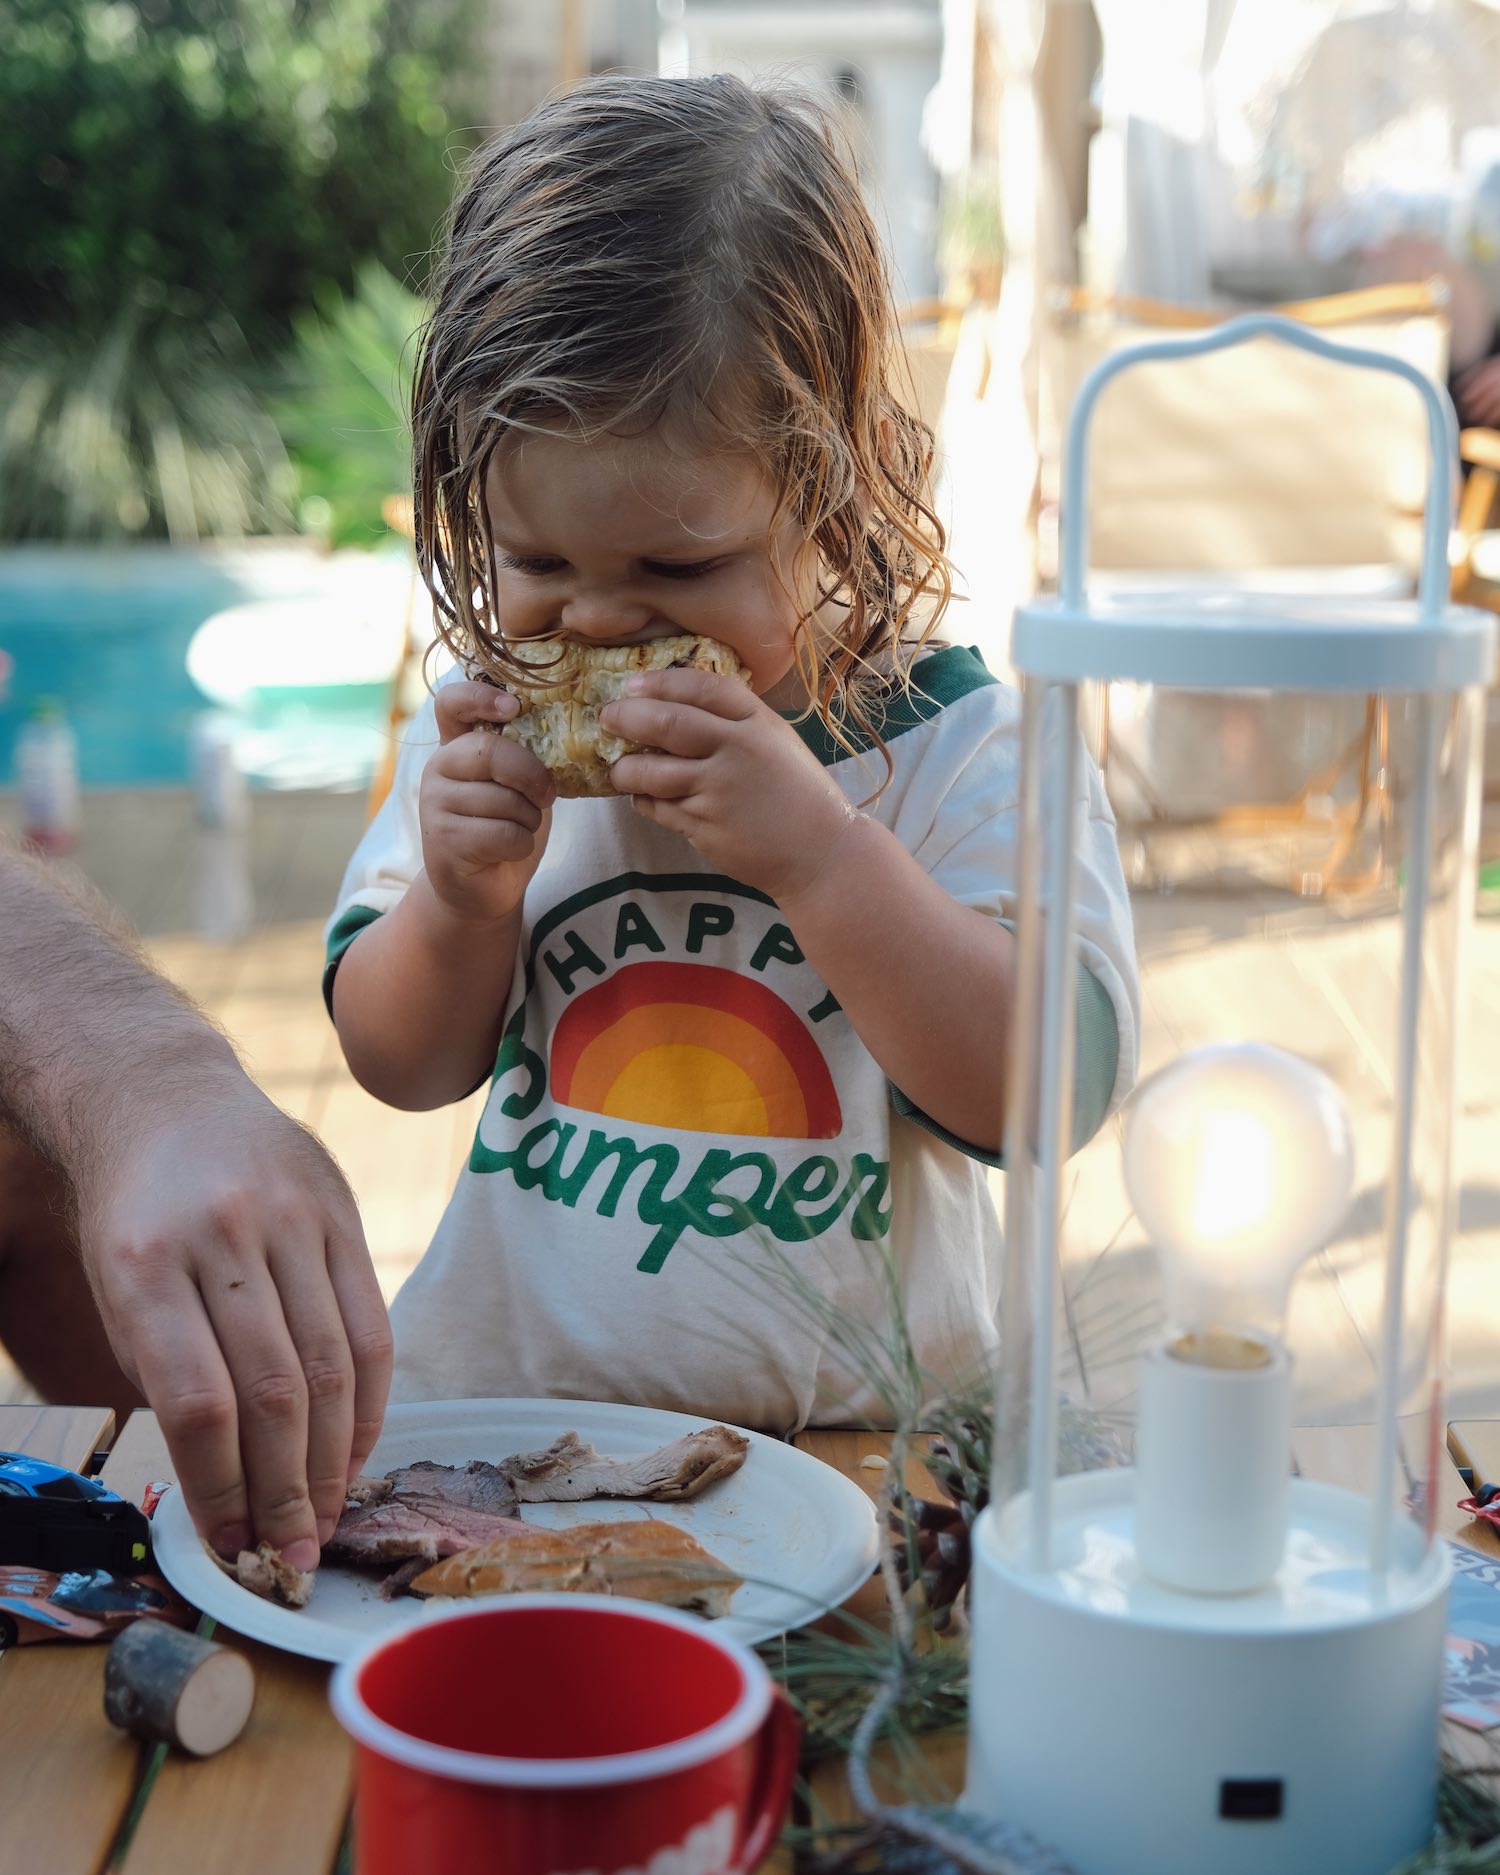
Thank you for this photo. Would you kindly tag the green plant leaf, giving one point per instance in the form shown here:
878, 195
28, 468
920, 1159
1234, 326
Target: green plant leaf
344, 410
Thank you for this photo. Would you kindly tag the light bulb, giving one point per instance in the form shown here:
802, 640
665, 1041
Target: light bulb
1240, 1164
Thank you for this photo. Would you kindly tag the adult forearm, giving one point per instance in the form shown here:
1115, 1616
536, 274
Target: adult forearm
419, 999
883, 935
92, 1040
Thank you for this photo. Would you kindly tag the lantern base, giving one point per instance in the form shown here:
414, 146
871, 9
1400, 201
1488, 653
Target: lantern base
1140, 1730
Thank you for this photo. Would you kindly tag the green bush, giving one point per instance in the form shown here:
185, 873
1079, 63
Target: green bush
237, 154
153, 427
180, 182
346, 410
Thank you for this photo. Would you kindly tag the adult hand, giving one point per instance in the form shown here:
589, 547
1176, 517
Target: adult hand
230, 1267
485, 807
724, 770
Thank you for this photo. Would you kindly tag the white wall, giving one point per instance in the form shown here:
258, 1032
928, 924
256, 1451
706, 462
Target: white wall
892, 51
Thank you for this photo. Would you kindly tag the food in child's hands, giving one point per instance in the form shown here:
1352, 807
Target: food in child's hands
570, 1470
560, 705
651, 1561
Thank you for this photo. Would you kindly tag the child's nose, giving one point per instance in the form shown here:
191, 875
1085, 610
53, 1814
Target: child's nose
604, 616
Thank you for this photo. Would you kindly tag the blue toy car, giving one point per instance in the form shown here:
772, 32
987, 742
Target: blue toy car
54, 1519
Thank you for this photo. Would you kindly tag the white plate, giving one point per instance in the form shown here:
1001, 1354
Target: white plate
800, 1533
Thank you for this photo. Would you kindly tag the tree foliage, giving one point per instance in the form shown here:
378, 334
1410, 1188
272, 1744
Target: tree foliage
236, 157
345, 413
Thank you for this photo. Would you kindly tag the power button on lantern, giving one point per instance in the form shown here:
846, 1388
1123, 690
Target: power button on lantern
1250, 1799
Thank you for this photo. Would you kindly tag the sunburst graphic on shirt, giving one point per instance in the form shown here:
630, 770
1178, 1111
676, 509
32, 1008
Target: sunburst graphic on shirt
696, 1048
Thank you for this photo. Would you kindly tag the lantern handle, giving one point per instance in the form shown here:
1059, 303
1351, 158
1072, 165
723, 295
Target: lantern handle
1442, 432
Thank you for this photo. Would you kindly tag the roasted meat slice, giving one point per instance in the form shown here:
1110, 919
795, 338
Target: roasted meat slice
475, 1486
265, 1572
430, 1511
648, 1560
570, 1470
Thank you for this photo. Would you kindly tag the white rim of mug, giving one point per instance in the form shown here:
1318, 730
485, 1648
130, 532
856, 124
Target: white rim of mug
742, 1720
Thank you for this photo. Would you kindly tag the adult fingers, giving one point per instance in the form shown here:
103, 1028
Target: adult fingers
315, 1323
367, 1327
461, 706
271, 1400
184, 1376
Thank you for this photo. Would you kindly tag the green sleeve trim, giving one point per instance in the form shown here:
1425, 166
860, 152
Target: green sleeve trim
938, 679
1096, 1058
346, 929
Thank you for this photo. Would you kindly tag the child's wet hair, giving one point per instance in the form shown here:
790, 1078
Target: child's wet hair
693, 253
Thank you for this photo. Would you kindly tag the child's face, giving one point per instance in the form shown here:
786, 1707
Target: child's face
619, 541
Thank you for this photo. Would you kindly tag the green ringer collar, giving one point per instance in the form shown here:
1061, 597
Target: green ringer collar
937, 680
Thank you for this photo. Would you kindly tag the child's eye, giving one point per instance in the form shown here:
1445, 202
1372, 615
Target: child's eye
531, 563
682, 569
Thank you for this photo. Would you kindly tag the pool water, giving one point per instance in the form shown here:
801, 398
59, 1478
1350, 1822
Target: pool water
107, 630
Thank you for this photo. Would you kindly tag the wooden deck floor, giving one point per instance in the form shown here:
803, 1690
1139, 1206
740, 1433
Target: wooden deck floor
1212, 965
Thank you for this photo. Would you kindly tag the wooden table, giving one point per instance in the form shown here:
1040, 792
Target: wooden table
277, 1801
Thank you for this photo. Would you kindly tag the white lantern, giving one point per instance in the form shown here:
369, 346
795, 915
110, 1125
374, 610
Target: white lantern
1203, 1663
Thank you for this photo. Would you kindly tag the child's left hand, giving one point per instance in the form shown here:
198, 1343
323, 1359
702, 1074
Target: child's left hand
724, 770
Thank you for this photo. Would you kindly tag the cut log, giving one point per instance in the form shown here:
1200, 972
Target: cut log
163, 1684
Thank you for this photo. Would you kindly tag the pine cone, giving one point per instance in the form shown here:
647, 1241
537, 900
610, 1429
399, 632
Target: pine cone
960, 1462
931, 1541
936, 1536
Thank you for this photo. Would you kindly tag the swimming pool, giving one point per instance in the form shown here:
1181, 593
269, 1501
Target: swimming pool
107, 631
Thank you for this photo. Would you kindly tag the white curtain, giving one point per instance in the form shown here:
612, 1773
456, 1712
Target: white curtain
1251, 132
1152, 174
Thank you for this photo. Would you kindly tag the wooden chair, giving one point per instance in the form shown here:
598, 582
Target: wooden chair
1333, 508
1476, 565
1476, 545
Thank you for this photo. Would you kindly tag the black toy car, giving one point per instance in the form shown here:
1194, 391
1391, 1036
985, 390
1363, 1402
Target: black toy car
54, 1519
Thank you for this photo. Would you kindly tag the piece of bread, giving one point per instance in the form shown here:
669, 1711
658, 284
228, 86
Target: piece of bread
560, 705
645, 1559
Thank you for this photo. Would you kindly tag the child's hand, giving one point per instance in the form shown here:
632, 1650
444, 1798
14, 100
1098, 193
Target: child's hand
485, 805
725, 771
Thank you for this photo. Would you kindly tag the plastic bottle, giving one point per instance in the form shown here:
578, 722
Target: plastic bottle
218, 783
47, 773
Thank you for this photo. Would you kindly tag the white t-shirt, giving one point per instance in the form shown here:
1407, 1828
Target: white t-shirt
687, 1152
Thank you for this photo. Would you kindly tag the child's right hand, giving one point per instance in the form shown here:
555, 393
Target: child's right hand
485, 807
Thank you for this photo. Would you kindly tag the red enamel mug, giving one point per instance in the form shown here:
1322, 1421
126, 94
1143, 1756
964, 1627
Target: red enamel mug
564, 1735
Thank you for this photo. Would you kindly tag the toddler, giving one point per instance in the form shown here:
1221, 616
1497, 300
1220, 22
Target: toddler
754, 1010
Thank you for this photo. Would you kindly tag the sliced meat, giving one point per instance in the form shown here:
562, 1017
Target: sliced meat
570, 1469
264, 1571
399, 1581
649, 1561
475, 1486
431, 1511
